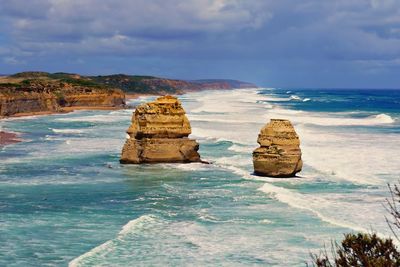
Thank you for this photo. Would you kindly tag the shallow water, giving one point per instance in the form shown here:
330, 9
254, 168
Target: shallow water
64, 198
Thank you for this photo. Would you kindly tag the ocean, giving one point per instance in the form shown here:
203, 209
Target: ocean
66, 200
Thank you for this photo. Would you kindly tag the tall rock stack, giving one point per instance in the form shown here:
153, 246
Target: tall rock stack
279, 154
159, 134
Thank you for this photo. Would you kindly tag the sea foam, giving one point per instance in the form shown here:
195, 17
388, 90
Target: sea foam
95, 118
300, 201
241, 148
328, 119
295, 97
68, 131
109, 245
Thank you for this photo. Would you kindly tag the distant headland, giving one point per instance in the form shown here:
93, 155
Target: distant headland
35, 93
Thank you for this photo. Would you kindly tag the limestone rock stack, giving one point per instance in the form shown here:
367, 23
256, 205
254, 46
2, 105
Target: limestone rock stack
279, 154
159, 133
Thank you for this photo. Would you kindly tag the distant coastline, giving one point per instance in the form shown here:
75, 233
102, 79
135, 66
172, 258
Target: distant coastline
42, 93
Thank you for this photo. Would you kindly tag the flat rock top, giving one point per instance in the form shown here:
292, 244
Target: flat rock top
162, 105
278, 132
162, 118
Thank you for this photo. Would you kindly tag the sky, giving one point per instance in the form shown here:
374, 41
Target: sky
273, 43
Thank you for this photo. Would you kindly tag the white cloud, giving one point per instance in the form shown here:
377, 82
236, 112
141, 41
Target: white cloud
341, 30
120, 15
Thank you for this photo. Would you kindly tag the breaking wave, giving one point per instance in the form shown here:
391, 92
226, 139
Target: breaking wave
299, 201
68, 131
108, 246
241, 148
328, 119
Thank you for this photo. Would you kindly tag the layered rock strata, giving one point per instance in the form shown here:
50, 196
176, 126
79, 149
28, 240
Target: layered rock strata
159, 134
279, 154
28, 97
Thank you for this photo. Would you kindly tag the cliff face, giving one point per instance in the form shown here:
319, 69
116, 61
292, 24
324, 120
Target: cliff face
114, 98
11, 105
279, 154
159, 133
52, 95
32, 92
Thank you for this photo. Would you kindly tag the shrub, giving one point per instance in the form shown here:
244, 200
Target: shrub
393, 207
367, 250
364, 250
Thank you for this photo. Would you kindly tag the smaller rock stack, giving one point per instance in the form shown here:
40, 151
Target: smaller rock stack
279, 154
159, 134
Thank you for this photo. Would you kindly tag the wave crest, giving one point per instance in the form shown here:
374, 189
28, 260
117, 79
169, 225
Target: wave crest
67, 131
104, 248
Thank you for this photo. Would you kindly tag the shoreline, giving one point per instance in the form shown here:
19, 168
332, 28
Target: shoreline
65, 110
7, 138
61, 111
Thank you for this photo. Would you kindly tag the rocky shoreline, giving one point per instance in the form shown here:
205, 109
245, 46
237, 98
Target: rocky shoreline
74, 108
42, 93
7, 138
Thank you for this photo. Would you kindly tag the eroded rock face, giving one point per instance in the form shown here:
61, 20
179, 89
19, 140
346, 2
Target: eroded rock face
279, 154
46, 95
159, 133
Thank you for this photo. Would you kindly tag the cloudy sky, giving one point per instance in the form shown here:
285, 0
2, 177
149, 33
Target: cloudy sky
284, 43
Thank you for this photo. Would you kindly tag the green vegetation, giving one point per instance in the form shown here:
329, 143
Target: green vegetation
82, 82
361, 250
60, 98
128, 83
367, 250
43, 81
60, 75
30, 74
9, 85
26, 82
136, 84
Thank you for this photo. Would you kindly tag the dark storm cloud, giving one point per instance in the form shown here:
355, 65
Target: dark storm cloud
284, 42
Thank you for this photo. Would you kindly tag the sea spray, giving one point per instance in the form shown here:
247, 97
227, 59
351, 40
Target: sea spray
216, 214
101, 250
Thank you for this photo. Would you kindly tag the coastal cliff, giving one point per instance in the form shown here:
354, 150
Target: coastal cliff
279, 154
160, 86
29, 93
159, 134
36, 93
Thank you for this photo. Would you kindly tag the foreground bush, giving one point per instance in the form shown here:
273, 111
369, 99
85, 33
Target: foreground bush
393, 206
366, 250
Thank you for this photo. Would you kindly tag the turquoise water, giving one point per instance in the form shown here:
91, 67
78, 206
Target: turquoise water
65, 199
